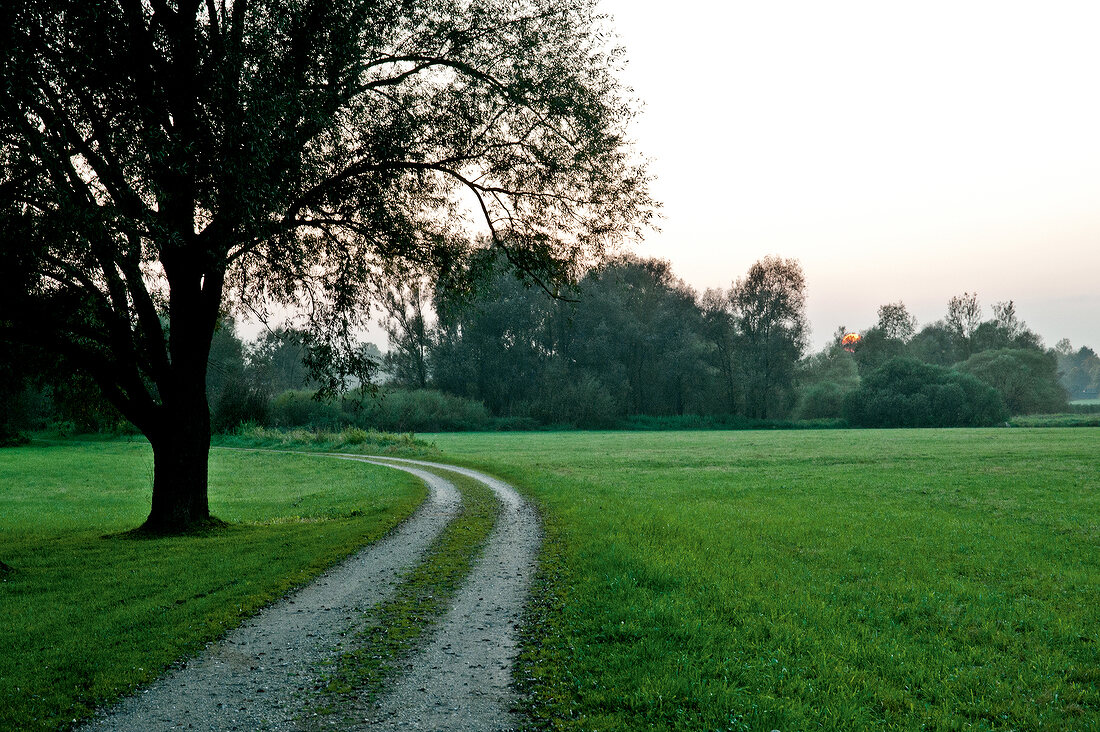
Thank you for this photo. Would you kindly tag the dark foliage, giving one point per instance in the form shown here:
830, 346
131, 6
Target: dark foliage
239, 403
1027, 379
629, 344
908, 393
417, 410
936, 344
160, 161
768, 307
390, 410
633, 343
1079, 370
823, 400
876, 348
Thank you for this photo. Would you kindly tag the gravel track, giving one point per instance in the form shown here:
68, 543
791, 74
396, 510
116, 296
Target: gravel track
257, 677
460, 680
254, 678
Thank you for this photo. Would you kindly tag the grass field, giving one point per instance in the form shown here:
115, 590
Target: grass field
89, 612
755, 580
835, 580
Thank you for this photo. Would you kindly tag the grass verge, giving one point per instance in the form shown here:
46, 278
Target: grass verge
393, 629
352, 439
1056, 420
840, 580
91, 612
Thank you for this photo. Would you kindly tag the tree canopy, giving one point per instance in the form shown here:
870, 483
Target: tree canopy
769, 311
905, 392
1026, 378
161, 162
1080, 370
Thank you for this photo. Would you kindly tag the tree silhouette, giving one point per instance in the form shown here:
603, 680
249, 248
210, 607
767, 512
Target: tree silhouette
769, 312
161, 162
964, 315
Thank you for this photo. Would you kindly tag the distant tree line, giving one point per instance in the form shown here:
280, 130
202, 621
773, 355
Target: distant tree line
958, 371
1080, 370
629, 341
633, 339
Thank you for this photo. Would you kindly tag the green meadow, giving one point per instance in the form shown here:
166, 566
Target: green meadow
748, 580
795, 580
90, 612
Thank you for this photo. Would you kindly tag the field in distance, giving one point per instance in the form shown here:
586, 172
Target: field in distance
840, 580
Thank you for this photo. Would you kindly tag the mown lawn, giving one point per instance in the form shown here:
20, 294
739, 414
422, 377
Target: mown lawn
835, 580
88, 612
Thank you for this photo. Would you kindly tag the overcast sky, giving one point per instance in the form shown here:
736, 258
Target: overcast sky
899, 150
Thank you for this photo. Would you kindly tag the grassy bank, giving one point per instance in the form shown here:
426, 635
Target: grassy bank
90, 612
903, 580
1056, 420
351, 439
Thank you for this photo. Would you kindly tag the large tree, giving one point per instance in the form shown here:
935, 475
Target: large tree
895, 322
769, 314
162, 161
405, 312
1025, 378
964, 315
495, 345
637, 327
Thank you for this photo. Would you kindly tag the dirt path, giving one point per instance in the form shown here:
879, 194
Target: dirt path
254, 679
258, 676
460, 680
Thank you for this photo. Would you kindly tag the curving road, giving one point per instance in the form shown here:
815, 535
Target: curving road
256, 677
460, 680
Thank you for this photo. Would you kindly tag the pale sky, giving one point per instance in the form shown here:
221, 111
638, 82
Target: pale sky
899, 150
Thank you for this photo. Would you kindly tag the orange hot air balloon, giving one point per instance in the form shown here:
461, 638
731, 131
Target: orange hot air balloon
850, 340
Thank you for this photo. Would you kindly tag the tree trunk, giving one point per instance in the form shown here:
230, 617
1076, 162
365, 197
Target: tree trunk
181, 448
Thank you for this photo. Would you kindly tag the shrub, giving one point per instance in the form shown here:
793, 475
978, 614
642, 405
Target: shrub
577, 399
299, 408
515, 424
824, 400
27, 408
1027, 379
353, 439
416, 410
355, 436
908, 393
721, 422
237, 404
79, 405
10, 438
1056, 420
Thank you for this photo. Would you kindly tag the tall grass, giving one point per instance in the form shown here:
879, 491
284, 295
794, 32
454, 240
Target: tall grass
349, 439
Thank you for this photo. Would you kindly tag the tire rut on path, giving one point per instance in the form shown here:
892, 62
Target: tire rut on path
254, 678
460, 680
